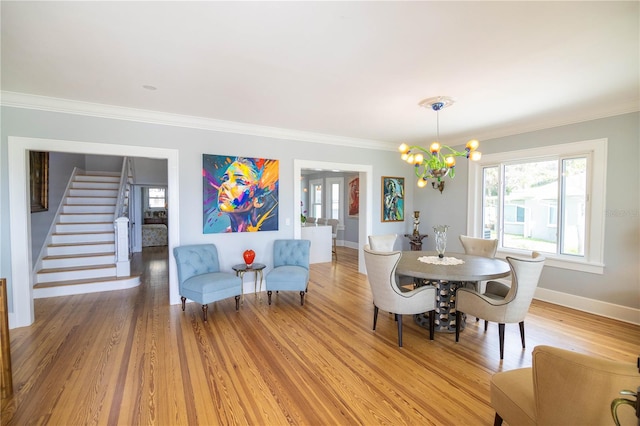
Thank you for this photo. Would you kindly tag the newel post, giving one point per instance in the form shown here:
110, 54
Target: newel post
123, 266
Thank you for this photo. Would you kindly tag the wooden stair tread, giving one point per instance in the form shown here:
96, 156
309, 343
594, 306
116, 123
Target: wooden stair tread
84, 233
90, 243
73, 256
76, 268
83, 281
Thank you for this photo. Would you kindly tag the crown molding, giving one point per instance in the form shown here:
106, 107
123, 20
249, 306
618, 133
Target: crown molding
68, 106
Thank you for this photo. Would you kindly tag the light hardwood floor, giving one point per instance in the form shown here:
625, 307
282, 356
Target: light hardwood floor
128, 357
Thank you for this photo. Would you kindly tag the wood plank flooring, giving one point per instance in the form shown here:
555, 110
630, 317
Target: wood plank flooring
128, 357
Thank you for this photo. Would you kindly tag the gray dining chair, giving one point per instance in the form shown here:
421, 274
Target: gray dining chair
381, 268
500, 303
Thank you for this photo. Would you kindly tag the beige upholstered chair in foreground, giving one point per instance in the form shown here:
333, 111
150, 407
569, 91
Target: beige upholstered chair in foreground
500, 303
381, 273
563, 388
384, 242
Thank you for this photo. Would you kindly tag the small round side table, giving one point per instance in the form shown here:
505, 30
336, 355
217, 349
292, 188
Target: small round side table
257, 268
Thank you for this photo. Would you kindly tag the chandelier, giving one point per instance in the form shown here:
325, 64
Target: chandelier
432, 163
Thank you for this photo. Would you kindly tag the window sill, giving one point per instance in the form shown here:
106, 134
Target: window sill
559, 262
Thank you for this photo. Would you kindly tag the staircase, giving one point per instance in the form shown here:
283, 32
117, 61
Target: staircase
80, 254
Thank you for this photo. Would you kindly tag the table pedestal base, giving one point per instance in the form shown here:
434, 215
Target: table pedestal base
445, 306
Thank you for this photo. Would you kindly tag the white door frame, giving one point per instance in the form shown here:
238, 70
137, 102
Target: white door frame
20, 225
366, 198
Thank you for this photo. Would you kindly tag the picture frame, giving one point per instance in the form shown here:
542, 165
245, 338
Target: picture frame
39, 180
392, 201
354, 196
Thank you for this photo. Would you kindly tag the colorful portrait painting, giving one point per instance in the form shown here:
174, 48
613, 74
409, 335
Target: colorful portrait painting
240, 194
392, 199
354, 196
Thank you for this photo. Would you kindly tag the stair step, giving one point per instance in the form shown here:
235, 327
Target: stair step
83, 237
97, 178
83, 286
74, 192
75, 273
91, 200
66, 228
78, 260
95, 185
82, 248
88, 208
86, 217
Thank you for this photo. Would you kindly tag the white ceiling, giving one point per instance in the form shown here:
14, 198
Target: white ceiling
353, 69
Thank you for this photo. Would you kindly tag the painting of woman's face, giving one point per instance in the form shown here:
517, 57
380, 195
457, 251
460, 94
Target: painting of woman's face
239, 194
236, 193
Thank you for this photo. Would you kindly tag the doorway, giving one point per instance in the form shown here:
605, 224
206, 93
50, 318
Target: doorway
22, 311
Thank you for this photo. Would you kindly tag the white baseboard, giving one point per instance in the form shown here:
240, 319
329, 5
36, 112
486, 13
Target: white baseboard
592, 306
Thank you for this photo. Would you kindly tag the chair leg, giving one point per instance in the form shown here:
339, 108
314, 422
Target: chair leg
302, 298
497, 421
399, 329
269, 295
375, 316
458, 320
522, 333
205, 308
432, 323
237, 302
501, 336
486, 325
184, 299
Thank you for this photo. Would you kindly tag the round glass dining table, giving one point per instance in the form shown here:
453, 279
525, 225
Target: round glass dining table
447, 275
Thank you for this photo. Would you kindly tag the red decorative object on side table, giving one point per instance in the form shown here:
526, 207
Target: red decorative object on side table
248, 257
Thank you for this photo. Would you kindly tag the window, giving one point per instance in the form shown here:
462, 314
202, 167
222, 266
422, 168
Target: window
335, 197
156, 198
315, 196
548, 199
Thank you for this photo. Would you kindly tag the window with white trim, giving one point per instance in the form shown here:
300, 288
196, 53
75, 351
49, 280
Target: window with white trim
549, 200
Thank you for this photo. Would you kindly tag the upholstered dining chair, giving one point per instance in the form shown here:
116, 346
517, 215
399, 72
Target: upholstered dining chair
200, 278
381, 274
334, 235
563, 387
500, 303
321, 221
385, 242
311, 220
290, 268
479, 247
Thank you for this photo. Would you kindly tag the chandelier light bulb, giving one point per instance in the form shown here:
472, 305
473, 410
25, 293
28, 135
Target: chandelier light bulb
419, 158
434, 148
422, 183
473, 144
450, 161
403, 148
404, 156
410, 159
475, 156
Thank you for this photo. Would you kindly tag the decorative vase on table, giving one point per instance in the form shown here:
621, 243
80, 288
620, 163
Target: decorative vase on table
441, 239
248, 256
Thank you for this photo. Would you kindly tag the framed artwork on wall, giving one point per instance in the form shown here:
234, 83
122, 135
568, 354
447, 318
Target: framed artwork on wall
39, 180
354, 196
240, 194
392, 199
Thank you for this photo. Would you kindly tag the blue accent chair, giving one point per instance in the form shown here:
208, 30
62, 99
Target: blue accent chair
290, 267
200, 278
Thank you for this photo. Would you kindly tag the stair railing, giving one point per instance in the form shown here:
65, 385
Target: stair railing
121, 222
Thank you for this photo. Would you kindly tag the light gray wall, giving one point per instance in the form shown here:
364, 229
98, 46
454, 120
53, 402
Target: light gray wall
191, 144
620, 283
61, 166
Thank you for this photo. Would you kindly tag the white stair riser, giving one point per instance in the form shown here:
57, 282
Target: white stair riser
95, 185
91, 200
88, 208
86, 218
81, 249
93, 192
63, 228
82, 238
76, 275
72, 262
97, 178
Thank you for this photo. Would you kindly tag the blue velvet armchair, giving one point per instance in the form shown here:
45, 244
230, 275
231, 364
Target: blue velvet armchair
290, 267
200, 278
